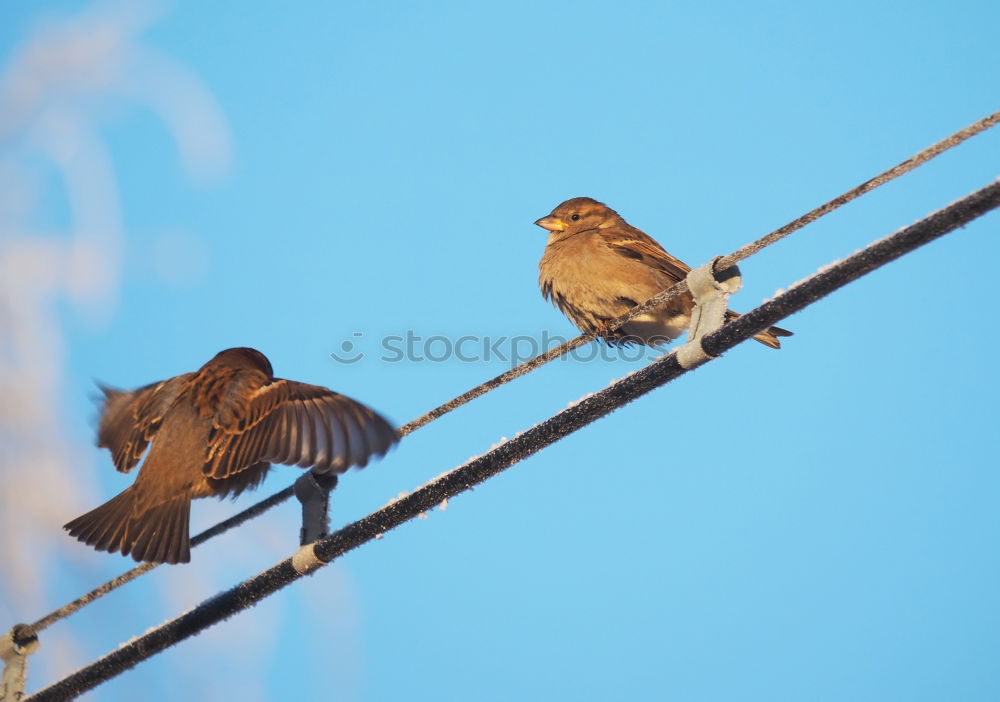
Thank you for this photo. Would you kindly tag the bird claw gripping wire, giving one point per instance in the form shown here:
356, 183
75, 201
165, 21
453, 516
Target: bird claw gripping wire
711, 290
15, 647
313, 491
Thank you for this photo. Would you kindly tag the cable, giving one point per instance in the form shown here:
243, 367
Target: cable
131, 575
503, 378
726, 261
564, 348
475, 471
763, 242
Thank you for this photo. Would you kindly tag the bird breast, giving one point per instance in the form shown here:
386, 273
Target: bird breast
587, 272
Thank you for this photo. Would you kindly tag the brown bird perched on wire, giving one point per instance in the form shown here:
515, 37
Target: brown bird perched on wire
216, 432
597, 266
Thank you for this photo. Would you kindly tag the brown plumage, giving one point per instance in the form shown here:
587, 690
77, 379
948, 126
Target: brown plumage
597, 266
215, 432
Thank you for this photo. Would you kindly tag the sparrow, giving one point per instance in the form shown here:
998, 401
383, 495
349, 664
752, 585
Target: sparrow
215, 433
596, 266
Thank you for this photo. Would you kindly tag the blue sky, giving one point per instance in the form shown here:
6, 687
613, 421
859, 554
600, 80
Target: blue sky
350, 171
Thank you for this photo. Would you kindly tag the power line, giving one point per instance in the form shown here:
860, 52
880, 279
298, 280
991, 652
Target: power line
259, 508
134, 573
740, 254
475, 471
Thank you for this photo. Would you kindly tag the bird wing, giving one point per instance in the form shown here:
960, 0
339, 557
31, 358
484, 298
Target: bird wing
297, 424
130, 419
635, 244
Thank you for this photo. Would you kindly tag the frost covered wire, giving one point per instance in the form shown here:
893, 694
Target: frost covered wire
566, 347
477, 470
826, 208
735, 257
129, 576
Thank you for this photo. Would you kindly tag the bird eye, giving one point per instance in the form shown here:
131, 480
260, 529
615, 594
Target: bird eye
575, 217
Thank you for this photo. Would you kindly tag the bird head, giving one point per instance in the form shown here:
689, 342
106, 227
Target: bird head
577, 215
242, 357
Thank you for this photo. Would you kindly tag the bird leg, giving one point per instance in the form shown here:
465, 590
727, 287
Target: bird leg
608, 336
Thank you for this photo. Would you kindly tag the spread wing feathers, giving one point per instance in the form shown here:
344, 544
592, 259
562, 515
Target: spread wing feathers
640, 246
130, 419
298, 424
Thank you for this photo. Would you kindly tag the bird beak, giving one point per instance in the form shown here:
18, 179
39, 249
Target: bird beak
552, 223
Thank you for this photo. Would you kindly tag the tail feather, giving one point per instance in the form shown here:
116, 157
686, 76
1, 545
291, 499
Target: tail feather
178, 548
768, 337
106, 534
158, 534
163, 536
102, 527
